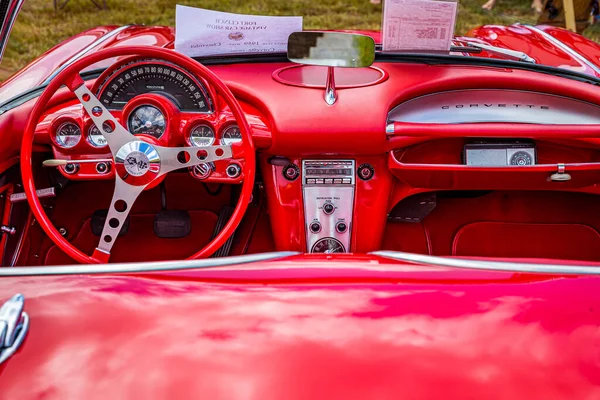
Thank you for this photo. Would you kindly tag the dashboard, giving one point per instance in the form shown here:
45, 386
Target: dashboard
337, 174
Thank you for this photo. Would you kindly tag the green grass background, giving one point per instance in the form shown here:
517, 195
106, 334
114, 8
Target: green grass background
39, 27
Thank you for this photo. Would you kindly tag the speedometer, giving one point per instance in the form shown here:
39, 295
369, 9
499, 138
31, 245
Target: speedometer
154, 77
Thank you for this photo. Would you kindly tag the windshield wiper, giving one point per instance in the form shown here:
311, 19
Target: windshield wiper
510, 54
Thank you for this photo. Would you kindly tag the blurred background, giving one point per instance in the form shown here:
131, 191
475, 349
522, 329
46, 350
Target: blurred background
39, 26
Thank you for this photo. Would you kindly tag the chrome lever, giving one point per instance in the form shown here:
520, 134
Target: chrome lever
62, 163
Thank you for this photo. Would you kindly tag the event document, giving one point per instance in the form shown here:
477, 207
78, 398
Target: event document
418, 25
200, 32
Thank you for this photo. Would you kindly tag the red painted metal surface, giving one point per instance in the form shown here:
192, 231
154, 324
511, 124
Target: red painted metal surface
310, 327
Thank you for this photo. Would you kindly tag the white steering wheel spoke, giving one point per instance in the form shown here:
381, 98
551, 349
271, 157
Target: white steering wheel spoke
123, 199
172, 158
114, 133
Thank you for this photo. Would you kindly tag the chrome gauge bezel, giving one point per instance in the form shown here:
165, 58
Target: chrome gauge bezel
146, 105
61, 144
228, 141
212, 138
90, 136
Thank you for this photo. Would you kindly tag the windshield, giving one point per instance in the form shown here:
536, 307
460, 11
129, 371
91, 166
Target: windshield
480, 31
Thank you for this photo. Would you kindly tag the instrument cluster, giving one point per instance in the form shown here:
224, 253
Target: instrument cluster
152, 98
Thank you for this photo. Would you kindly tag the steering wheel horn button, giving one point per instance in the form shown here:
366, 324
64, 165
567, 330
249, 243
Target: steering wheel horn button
137, 163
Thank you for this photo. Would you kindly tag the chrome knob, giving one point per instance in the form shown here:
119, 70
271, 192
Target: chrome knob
233, 170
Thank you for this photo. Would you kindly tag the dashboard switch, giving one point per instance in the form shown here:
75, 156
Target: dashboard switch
291, 172
328, 208
71, 168
315, 227
365, 171
102, 168
233, 170
341, 227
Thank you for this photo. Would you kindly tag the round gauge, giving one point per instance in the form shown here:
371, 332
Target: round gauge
67, 135
147, 120
521, 158
328, 245
202, 135
95, 138
231, 135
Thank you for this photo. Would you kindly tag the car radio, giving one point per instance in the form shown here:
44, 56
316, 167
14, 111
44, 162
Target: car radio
328, 193
499, 154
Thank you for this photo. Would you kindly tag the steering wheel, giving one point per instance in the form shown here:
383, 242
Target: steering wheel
138, 163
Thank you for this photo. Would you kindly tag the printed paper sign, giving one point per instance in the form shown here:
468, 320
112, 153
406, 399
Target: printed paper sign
200, 32
418, 25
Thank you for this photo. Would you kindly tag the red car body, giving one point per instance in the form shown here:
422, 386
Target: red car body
309, 326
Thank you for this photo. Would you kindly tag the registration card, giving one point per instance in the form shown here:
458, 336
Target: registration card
200, 32
418, 25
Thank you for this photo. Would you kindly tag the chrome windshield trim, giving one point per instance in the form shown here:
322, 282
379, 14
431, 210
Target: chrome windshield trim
93, 269
7, 24
84, 51
564, 47
464, 263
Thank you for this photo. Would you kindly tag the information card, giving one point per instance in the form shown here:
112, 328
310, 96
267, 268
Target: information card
200, 32
418, 25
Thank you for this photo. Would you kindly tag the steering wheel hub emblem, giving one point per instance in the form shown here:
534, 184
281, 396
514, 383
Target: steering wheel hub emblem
137, 163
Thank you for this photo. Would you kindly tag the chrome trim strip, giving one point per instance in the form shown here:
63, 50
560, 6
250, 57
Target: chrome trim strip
93, 269
489, 265
84, 51
564, 47
7, 25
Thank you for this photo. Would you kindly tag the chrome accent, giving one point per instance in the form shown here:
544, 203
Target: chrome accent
316, 194
203, 170
10, 230
463, 263
389, 128
14, 324
103, 167
93, 269
41, 193
561, 174
137, 159
330, 92
511, 54
84, 51
564, 47
8, 20
495, 105
61, 163
233, 170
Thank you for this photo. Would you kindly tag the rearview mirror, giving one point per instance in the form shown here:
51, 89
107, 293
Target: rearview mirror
331, 49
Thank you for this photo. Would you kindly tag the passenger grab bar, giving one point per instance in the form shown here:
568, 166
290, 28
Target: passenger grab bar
492, 129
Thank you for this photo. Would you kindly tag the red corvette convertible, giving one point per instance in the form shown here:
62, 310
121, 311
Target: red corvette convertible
348, 224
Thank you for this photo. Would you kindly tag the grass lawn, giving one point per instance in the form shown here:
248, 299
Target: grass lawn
39, 27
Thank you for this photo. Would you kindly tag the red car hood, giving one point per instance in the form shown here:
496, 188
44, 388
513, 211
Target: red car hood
307, 327
547, 45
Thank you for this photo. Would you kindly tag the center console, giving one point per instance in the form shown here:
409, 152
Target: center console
328, 193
